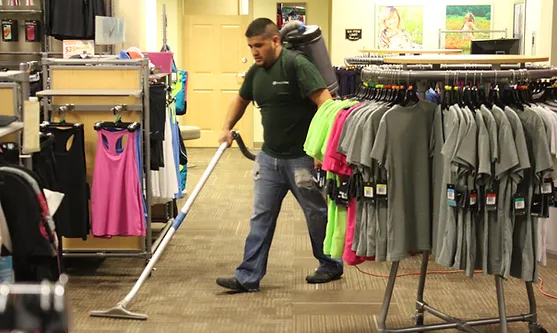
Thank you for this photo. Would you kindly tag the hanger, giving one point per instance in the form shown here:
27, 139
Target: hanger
117, 123
467, 97
62, 123
411, 95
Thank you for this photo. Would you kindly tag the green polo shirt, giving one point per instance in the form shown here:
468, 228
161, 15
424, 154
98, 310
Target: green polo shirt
286, 110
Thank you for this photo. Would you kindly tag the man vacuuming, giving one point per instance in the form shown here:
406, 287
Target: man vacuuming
288, 103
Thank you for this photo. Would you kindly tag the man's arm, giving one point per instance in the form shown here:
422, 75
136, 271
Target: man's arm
320, 96
235, 112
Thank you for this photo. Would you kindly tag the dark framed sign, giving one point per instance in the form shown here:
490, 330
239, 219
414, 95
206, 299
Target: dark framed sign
353, 34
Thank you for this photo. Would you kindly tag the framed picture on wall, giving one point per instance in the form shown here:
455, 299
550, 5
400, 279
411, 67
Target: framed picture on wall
466, 19
399, 27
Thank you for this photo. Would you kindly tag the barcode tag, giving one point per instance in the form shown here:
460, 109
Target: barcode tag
547, 186
491, 200
519, 204
473, 198
369, 192
451, 195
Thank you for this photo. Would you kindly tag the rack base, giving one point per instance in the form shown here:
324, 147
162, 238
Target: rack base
464, 325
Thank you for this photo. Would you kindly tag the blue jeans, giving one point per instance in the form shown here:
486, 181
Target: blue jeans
273, 178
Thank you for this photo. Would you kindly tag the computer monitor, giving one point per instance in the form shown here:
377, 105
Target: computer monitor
495, 46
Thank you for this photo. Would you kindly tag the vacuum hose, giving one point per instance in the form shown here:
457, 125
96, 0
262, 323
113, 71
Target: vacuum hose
242, 145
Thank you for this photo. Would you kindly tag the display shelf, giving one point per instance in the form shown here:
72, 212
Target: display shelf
158, 76
413, 51
19, 76
20, 11
97, 60
464, 59
89, 92
11, 128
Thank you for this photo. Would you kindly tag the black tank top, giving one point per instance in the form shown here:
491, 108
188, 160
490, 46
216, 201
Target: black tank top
44, 163
71, 172
157, 113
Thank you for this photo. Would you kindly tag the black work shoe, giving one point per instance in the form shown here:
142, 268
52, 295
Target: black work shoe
233, 284
323, 277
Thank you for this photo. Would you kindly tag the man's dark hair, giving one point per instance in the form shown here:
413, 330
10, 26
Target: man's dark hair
262, 27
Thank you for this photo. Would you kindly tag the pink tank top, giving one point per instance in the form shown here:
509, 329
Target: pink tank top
116, 198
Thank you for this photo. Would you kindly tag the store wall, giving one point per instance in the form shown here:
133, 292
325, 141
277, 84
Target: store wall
317, 12
539, 32
361, 14
135, 14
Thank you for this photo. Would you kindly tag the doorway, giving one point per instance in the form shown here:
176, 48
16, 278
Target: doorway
216, 57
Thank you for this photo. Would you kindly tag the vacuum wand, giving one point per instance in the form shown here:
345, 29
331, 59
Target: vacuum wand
120, 310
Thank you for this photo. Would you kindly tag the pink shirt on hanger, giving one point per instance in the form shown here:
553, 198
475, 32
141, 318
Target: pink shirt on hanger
336, 163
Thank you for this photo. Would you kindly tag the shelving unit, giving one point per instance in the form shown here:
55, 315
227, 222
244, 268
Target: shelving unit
90, 88
92, 92
412, 51
11, 128
13, 53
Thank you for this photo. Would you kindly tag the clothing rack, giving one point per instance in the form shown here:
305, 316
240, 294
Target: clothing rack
363, 60
430, 72
88, 89
44, 305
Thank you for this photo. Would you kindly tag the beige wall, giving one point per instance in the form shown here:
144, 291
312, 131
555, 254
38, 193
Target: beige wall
554, 48
210, 7
345, 16
539, 17
134, 14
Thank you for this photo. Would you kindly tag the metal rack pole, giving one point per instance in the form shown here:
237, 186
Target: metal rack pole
24, 95
147, 155
450, 322
501, 304
25, 84
370, 74
164, 26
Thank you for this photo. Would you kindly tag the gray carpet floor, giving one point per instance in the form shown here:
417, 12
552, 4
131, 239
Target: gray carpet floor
181, 295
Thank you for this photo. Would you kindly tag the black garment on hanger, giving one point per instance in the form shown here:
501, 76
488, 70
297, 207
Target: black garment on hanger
347, 80
36, 85
72, 19
71, 171
44, 163
157, 115
33, 259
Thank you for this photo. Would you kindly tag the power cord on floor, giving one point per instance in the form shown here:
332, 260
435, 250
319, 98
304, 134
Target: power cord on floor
540, 286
